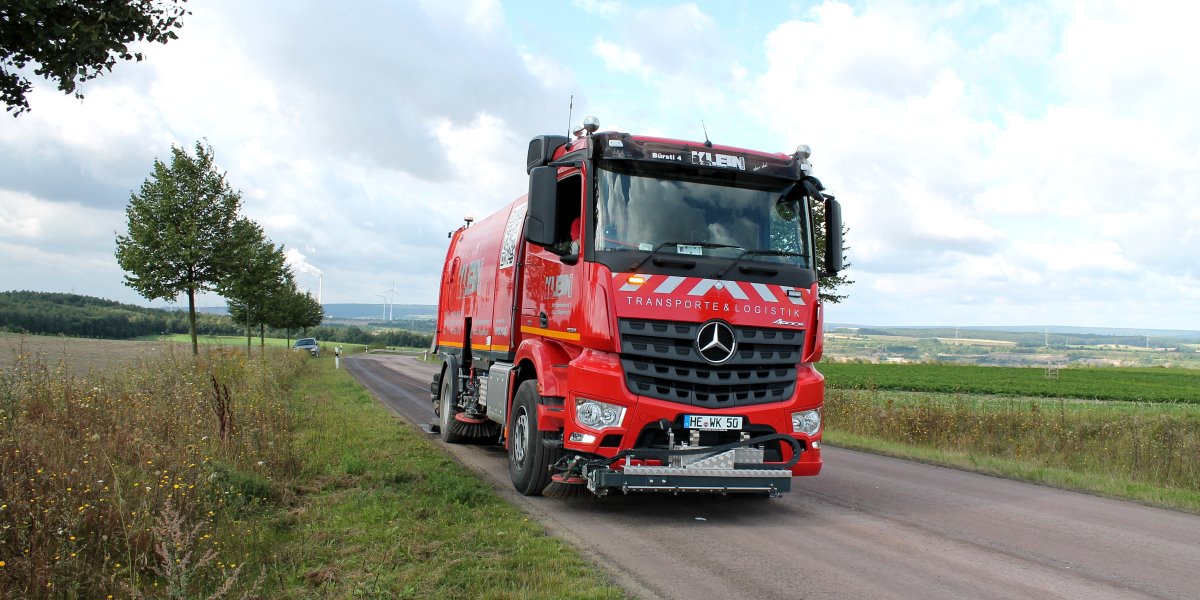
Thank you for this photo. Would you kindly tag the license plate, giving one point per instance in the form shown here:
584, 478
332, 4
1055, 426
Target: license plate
711, 422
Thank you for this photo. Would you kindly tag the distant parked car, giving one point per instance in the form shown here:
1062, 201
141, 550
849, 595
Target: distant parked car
309, 344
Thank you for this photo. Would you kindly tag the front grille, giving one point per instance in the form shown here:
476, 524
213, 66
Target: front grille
661, 361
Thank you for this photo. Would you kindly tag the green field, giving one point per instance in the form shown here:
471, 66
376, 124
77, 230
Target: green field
1106, 383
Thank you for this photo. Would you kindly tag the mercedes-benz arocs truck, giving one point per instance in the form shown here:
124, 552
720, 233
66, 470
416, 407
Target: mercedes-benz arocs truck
646, 318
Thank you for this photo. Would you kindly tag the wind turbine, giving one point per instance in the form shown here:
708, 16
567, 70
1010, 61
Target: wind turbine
385, 305
393, 292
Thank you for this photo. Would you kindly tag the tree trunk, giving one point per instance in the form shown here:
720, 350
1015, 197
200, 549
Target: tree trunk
192, 320
262, 335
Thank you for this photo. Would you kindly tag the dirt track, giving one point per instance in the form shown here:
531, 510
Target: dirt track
867, 527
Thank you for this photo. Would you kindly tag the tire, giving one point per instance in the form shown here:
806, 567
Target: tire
528, 459
447, 426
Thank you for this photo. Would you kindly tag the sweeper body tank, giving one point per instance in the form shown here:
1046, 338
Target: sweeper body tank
646, 318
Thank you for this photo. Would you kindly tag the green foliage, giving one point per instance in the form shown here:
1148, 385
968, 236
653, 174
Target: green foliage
357, 335
296, 310
182, 230
829, 284
1108, 383
257, 277
72, 42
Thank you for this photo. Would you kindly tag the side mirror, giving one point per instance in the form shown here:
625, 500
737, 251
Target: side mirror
541, 221
833, 236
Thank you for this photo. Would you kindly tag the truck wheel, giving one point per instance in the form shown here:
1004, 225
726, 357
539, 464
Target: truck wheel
448, 427
528, 459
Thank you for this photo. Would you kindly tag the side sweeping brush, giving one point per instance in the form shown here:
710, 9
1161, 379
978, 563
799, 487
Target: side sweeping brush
566, 486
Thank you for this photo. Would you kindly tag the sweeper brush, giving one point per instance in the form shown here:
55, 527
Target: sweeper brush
565, 486
476, 429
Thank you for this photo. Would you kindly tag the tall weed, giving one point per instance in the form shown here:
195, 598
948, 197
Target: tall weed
99, 471
1146, 443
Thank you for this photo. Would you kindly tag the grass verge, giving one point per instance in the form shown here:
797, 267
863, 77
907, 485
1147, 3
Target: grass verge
384, 512
269, 476
1144, 452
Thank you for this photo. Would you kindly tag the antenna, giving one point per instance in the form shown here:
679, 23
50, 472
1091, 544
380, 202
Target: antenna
570, 114
707, 143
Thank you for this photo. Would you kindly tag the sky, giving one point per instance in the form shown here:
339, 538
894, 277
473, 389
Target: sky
998, 163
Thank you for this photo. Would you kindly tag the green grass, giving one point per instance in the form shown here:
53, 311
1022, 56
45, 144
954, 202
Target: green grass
384, 512
1140, 451
1107, 383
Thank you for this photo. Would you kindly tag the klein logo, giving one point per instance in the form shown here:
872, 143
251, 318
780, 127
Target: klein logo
716, 342
787, 323
470, 274
661, 156
710, 159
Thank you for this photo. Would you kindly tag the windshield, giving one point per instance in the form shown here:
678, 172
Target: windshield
702, 214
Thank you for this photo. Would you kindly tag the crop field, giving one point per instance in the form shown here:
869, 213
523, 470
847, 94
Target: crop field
1129, 384
1144, 451
79, 353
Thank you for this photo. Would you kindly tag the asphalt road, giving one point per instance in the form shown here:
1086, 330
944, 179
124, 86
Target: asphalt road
867, 527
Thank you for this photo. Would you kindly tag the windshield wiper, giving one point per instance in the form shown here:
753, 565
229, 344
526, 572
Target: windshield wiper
665, 244
746, 253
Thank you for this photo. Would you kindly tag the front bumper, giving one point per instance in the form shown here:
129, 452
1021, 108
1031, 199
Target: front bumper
733, 471
601, 374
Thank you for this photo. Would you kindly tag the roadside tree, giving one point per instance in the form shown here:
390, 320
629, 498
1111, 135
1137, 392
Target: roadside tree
181, 230
257, 278
296, 310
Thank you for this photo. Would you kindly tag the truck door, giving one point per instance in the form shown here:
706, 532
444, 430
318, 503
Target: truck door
552, 294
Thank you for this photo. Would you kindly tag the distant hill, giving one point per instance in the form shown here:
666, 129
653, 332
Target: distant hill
1030, 335
49, 313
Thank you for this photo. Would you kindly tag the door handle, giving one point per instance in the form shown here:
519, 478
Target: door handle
543, 320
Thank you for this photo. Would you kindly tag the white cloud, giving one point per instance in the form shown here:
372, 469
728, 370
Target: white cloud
620, 59
997, 162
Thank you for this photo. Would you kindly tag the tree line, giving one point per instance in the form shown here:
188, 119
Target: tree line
74, 315
186, 236
86, 316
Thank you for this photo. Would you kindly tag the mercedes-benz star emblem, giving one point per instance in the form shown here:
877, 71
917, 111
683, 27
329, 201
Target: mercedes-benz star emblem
716, 342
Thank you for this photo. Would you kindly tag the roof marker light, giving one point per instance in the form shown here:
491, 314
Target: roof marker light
636, 279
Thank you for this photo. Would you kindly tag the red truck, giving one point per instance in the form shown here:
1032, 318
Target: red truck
646, 318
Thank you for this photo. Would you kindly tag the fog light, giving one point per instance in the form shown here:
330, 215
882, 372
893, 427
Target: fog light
807, 422
597, 415
582, 438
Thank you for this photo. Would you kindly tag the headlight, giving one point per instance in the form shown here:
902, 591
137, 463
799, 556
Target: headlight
595, 414
807, 422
